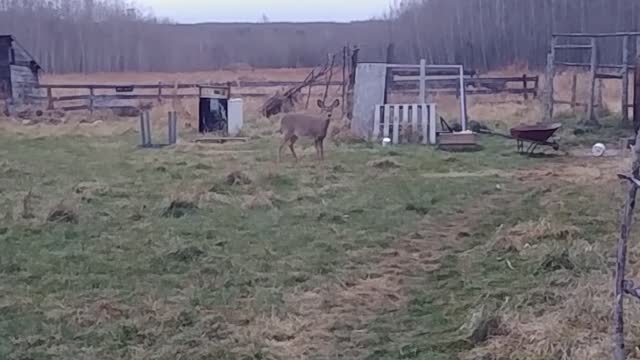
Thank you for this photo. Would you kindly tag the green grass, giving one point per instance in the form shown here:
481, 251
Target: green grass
130, 280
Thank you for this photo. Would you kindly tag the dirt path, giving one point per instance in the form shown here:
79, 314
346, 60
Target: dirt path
330, 321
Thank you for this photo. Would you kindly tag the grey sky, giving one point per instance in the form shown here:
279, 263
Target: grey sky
276, 10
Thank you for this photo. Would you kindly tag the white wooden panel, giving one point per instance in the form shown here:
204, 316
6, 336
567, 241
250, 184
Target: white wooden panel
386, 124
414, 123
396, 124
406, 134
376, 122
432, 124
425, 123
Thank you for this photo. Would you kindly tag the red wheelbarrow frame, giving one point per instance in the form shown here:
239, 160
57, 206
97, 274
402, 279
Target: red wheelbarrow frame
536, 135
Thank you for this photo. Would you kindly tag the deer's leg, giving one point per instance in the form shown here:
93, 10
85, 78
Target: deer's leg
321, 143
284, 143
292, 142
316, 144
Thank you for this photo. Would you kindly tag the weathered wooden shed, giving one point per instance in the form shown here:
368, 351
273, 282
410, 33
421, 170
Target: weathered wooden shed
19, 72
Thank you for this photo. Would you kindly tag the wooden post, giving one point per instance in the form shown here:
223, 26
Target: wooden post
344, 80
463, 101
636, 95
574, 91
549, 77
600, 97
423, 82
621, 286
160, 91
625, 82
50, 99
525, 86
389, 76
591, 118
91, 98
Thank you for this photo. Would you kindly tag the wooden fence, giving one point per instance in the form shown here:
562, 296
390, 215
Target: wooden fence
73, 97
524, 85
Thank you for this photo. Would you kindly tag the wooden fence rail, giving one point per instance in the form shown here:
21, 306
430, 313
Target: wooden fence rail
94, 96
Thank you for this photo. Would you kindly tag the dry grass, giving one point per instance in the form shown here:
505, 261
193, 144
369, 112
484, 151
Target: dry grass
172, 257
530, 233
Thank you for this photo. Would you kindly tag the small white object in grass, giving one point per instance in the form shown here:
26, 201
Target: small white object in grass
598, 149
386, 141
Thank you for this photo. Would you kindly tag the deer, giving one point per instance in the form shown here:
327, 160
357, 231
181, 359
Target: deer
295, 126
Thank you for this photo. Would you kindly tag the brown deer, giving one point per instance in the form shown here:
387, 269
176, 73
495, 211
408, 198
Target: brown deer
294, 126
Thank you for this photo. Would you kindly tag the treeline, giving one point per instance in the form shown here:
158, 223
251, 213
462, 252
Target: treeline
115, 35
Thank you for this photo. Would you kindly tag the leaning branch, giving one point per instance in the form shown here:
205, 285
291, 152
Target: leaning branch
623, 286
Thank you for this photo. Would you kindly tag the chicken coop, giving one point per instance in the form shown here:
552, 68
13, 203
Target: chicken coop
19, 72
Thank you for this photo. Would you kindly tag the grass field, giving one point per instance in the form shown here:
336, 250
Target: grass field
218, 252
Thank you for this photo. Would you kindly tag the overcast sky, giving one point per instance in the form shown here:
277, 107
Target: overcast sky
189, 11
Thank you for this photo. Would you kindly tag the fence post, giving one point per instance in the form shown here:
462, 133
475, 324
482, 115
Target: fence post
50, 99
625, 81
160, 92
525, 85
423, 81
463, 101
636, 94
145, 129
591, 118
91, 99
549, 77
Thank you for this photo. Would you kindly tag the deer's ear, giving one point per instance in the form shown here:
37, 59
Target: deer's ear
336, 103
320, 104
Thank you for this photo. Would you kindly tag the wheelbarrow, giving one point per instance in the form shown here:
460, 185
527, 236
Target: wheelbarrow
536, 135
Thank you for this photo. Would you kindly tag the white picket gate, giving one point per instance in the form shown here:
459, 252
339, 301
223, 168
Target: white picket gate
406, 123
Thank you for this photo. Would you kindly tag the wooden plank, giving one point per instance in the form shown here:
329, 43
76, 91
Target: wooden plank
376, 122
596, 35
74, 108
414, 123
602, 76
396, 124
467, 79
455, 92
432, 124
585, 65
405, 122
574, 91
386, 119
573, 47
425, 123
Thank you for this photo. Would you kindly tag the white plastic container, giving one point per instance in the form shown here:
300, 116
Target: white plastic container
598, 150
236, 116
386, 142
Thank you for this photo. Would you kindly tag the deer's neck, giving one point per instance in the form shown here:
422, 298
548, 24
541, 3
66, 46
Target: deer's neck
327, 122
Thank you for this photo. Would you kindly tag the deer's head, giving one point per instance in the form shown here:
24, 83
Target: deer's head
328, 110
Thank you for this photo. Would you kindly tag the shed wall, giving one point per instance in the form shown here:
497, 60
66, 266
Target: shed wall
24, 83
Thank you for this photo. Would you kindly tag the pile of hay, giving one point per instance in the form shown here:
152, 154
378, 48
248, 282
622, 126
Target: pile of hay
384, 163
531, 233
